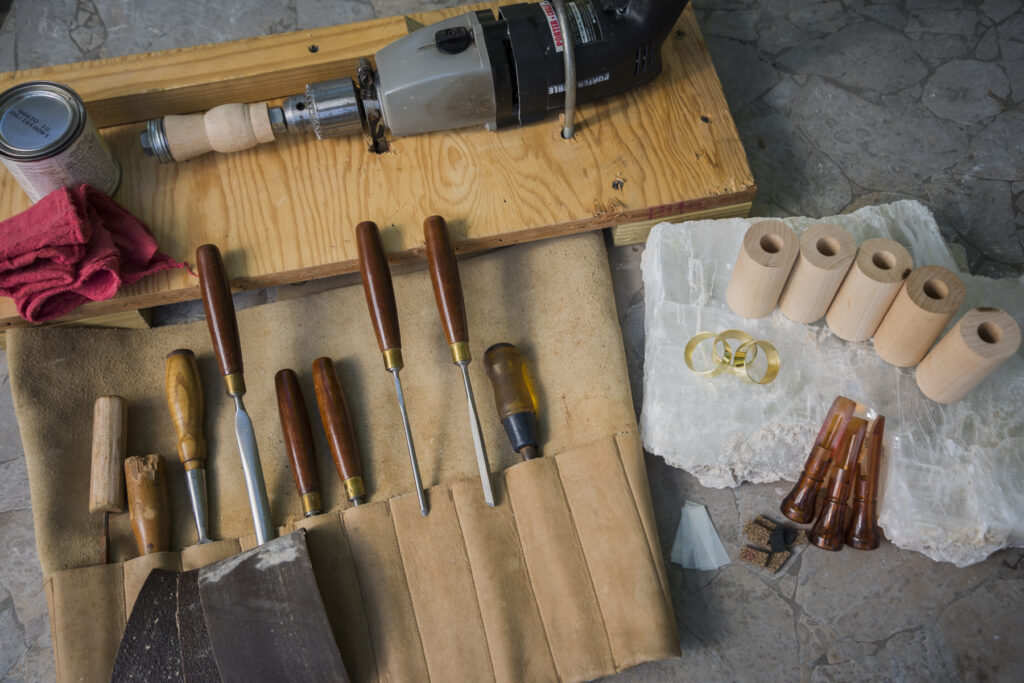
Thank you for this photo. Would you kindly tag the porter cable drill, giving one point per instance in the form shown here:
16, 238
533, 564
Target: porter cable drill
469, 70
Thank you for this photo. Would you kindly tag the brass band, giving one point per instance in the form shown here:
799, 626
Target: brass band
460, 352
393, 358
235, 383
772, 370
692, 345
311, 504
738, 360
354, 487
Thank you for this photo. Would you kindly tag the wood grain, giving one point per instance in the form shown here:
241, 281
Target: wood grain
148, 502
109, 436
334, 415
380, 293
444, 276
184, 392
281, 211
219, 308
298, 435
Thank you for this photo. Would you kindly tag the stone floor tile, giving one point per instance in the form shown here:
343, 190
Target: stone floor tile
918, 656
982, 212
863, 55
937, 48
966, 90
20, 572
987, 48
997, 152
12, 644
745, 72
317, 13
390, 8
780, 35
738, 25
1012, 52
14, 485
959, 22
819, 17
782, 94
814, 639
983, 630
1013, 28
997, 10
889, 14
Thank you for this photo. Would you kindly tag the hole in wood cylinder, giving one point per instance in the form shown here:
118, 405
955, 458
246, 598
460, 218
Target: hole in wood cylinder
771, 244
935, 289
990, 333
883, 260
828, 246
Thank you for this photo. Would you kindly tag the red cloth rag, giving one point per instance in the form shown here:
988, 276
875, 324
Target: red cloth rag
74, 245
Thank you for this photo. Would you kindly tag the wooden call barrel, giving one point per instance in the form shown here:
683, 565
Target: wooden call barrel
919, 313
109, 436
868, 289
976, 345
766, 257
826, 252
225, 128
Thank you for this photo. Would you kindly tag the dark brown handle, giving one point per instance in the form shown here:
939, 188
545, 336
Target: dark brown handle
185, 403
148, 502
335, 417
444, 273
380, 294
220, 309
298, 437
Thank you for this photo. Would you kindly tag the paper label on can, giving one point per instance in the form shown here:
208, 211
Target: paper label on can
585, 25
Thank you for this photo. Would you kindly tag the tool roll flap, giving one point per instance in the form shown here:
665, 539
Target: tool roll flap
562, 579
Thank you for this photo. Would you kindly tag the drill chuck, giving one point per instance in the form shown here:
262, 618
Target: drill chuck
328, 109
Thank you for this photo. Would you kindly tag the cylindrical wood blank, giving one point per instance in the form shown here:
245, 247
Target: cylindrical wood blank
148, 502
927, 301
109, 435
765, 259
976, 345
867, 291
826, 252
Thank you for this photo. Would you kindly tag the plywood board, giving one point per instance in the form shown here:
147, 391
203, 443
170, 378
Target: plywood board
285, 212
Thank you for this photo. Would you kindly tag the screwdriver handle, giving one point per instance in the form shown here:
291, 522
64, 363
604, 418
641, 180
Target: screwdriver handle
517, 407
148, 502
185, 403
380, 293
220, 315
338, 426
444, 274
109, 437
298, 440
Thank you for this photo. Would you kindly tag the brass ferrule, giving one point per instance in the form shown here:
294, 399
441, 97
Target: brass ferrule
460, 352
354, 487
235, 383
312, 504
393, 358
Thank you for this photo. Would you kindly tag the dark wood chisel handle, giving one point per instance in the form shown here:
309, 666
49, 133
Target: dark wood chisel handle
298, 440
185, 403
444, 273
148, 502
338, 426
220, 309
380, 294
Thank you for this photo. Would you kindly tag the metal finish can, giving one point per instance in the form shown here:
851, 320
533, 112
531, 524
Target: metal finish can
48, 141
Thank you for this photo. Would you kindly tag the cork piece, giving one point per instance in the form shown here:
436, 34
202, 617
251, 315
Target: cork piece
757, 534
776, 560
976, 345
754, 556
826, 252
766, 522
873, 282
765, 260
919, 313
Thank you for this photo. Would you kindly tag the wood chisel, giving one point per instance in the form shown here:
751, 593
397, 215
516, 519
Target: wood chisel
298, 441
106, 480
444, 274
514, 398
338, 427
380, 300
185, 403
220, 316
148, 502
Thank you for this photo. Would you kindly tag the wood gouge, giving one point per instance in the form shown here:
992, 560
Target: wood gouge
185, 403
298, 441
444, 274
106, 479
338, 426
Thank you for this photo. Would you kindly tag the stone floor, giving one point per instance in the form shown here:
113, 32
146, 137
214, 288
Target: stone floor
839, 104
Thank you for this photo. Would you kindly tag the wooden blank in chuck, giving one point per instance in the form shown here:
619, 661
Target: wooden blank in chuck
867, 291
926, 302
976, 345
826, 252
765, 259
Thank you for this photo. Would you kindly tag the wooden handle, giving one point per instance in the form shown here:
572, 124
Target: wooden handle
380, 294
298, 437
148, 502
219, 308
444, 273
225, 128
109, 435
335, 417
185, 403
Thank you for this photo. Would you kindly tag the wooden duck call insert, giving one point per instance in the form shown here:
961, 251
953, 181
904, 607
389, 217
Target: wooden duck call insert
148, 502
919, 313
826, 252
868, 289
766, 257
976, 345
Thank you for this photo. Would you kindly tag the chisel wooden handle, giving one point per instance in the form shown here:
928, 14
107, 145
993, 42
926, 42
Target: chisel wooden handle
298, 440
109, 435
220, 314
444, 274
338, 427
185, 403
148, 502
380, 294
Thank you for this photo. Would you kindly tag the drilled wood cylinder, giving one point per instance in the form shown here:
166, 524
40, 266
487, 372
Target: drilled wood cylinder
765, 260
976, 345
868, 289
826, 252
919, 313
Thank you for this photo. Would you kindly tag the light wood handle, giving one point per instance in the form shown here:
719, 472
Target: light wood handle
148, 502
225, 128
928, 300
185, 402
826, 252
109, 436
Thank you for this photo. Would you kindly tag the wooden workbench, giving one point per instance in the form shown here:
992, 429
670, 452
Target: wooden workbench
285, 212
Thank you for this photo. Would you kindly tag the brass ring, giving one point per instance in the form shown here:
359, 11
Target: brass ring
691, 346
728, 358
770, 352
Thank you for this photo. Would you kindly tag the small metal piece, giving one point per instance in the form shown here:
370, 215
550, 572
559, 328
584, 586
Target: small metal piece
277, 123
373, 119
478, 437
156, 137
355, 490
235, 384
312, 504
569, 55
393, 359
259, 506
196, 480
460, 352
420, 493
453, 40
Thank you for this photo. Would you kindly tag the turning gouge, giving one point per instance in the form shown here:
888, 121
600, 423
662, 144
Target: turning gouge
298, 441
185, 403
106, 479
338, 427
220, 316
148, 502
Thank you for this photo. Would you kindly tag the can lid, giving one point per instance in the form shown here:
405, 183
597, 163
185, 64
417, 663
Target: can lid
38, 119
